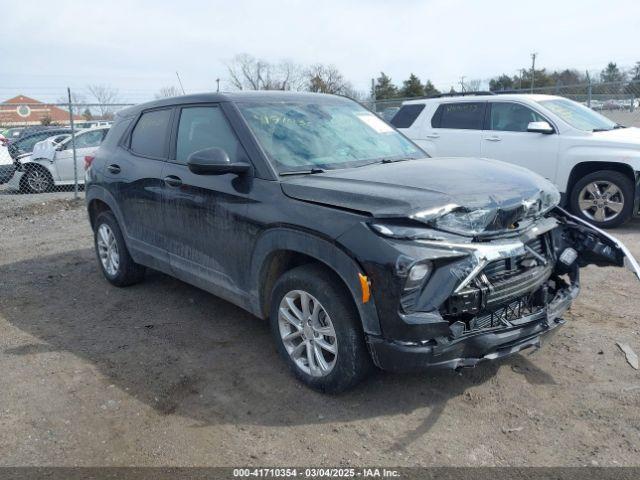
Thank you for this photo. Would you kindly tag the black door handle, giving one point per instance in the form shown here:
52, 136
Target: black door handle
173, 181
113, 168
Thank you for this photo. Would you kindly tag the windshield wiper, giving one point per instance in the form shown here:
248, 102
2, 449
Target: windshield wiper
615, 127
303, 172
390, 160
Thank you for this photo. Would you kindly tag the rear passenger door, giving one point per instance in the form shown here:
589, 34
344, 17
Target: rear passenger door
506, 138
135, 178
204, 213
456, 129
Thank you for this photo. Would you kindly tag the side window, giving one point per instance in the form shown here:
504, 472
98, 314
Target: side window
89, 139
149, 136
407, 114
512, 117
27, 144
464, 116
206, 127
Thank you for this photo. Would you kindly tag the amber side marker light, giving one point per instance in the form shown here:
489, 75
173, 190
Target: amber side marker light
365, 285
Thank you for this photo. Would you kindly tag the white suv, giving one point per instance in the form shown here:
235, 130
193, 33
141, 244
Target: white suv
594, 162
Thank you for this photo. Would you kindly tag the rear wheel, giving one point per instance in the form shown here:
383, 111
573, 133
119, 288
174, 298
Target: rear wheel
317, 329
603, 198
113, 257
36, 179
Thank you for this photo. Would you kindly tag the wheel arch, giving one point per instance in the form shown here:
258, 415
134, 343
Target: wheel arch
585, 168
99, 200
279, 250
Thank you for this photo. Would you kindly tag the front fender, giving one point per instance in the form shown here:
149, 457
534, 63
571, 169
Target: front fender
585, 154
324, 251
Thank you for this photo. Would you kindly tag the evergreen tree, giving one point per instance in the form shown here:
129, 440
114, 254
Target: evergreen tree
412, 87
503, 82
611, 73
384, 87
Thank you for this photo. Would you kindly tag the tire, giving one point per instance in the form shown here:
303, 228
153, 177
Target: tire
600, 213
36, 179
125, 271
351, 362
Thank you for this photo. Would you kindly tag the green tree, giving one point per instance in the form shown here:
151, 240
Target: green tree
567, 77
635, 72
503, 82
611, 73
430, 90
412, 87
541, 79
384, 87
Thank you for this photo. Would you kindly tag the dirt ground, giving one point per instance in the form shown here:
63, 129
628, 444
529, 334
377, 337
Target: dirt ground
165, 374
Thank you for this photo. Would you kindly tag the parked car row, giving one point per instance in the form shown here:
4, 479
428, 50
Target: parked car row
312, 212
38, 161
594, 162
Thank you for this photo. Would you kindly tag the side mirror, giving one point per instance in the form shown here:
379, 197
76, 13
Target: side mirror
540, 127
215, 161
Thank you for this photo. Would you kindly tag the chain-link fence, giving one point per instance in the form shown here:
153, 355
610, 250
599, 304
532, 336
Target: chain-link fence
618, 101
45, 146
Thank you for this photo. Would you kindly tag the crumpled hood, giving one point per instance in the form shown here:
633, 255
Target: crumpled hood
45, 149
428, 188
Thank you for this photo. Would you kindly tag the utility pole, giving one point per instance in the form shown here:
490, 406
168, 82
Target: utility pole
533, 69
73, 146
180, 82
462, 83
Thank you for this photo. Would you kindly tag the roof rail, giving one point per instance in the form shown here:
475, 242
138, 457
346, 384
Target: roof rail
462, 94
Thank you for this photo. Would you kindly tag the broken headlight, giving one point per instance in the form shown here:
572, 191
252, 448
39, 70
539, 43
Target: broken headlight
473, 221
403, 232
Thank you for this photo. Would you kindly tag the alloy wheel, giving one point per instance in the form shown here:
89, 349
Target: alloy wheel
601, 201
307, 333
108, 250
37, 180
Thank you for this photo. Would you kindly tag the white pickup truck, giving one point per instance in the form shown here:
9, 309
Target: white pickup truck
594, 162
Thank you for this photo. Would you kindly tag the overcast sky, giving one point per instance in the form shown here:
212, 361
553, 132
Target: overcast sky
45, 46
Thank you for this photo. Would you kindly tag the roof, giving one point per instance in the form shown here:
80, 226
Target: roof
266, 96
476, 98
23, 110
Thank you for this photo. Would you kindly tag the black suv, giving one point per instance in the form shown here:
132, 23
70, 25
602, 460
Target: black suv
311, 211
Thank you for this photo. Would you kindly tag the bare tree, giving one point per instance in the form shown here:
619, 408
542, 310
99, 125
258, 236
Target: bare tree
326, 79
105, 96
76, 98
250, 73
247, 72
168, 92
472, 85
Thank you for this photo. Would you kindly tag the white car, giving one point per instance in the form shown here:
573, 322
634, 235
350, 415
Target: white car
594, 162
51, 162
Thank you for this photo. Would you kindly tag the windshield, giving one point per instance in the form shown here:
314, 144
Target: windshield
301, 135
578, 116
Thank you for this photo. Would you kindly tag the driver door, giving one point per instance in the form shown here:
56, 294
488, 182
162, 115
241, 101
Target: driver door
205, 215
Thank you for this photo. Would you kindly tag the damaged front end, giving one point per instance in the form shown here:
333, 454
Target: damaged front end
494, 289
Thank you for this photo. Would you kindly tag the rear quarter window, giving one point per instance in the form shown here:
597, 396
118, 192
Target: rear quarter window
463, 115
149, 136
407, 115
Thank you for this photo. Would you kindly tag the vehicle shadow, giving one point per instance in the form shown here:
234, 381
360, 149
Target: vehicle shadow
183, 351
